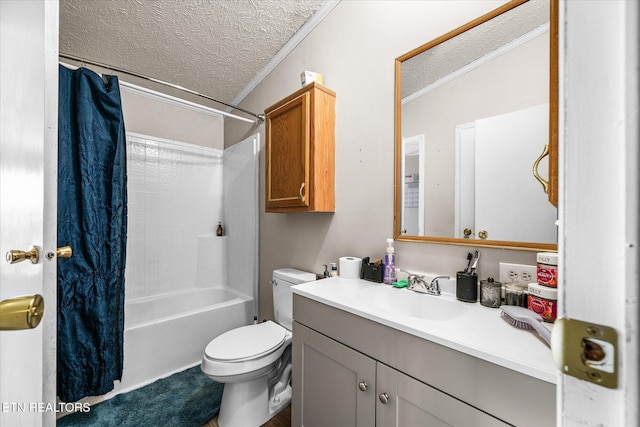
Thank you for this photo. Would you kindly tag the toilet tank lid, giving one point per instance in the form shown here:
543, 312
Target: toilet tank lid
293, 275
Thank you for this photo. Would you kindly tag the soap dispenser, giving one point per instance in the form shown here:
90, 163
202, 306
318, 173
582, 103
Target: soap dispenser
389, 272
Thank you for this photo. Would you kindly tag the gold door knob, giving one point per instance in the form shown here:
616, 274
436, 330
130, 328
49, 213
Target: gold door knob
32, 255
483, 234
61, 252
21, 313
467, 232
64, 252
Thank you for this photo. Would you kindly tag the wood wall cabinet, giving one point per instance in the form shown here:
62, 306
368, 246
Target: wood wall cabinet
300, 152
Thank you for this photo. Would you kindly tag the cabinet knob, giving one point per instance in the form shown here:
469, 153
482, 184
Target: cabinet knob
384, 398
363, 386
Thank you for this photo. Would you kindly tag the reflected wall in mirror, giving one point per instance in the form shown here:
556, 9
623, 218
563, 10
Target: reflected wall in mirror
473, 112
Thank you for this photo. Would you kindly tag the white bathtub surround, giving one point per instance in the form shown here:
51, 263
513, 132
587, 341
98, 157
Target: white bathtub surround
240, 214
212, 254
175, 195
180, 292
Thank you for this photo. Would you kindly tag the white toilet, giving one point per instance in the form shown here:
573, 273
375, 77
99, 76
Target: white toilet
254, 362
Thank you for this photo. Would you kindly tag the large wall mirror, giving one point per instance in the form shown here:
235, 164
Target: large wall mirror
476, 132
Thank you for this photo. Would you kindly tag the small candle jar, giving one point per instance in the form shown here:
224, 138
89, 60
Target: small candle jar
515, 294
490, 293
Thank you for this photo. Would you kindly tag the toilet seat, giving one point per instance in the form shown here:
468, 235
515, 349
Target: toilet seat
245, 351
246, 343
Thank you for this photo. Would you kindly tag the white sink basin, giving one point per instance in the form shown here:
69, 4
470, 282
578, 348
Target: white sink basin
409, 303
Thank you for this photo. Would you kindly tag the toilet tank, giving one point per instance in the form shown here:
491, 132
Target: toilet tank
283, 279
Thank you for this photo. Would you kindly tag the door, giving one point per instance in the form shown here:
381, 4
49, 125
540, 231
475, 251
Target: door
412, 199
335, 384
599, 162
465, 181
506, 146
28, 158
403, 401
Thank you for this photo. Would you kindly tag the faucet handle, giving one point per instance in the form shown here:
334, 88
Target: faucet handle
435, 286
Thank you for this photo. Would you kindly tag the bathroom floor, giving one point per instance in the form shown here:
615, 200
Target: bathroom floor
283, 419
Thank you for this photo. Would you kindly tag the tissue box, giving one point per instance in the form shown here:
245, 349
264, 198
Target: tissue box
371, 271
307, 77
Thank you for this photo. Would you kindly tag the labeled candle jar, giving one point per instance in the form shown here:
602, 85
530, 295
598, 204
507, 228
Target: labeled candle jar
543, 300
547, 270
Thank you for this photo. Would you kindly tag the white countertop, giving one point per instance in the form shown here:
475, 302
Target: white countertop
479, 331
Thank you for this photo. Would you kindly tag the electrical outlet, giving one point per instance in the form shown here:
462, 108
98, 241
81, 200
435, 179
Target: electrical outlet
521, 274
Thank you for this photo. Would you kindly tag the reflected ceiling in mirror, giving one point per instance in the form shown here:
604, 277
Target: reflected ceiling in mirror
472, 117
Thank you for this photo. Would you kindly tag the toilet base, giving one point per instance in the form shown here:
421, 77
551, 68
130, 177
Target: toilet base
248, 403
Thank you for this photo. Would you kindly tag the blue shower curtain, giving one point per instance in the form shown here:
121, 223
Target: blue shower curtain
92, 219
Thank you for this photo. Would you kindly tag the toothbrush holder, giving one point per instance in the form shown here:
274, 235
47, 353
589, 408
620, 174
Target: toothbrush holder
466, 286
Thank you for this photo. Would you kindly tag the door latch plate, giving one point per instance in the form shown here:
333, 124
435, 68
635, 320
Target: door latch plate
587, 351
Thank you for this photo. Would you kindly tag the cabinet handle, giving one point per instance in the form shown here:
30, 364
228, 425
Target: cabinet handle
363, 386
301, 195
542, 181
384, 398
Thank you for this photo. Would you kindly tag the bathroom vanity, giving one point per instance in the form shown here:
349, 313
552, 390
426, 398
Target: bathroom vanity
367, 354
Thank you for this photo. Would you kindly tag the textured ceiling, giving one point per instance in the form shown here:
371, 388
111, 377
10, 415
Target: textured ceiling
215, 47
453, 54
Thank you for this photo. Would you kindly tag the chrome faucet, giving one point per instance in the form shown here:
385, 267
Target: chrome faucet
417, 283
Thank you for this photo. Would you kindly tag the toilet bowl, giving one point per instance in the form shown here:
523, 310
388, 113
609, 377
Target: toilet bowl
254, 362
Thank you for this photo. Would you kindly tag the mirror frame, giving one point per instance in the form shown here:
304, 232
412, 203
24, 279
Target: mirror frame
553, 132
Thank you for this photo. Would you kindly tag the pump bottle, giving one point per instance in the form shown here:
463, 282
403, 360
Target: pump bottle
389, 273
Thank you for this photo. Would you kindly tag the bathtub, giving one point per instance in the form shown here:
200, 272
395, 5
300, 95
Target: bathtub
168, 333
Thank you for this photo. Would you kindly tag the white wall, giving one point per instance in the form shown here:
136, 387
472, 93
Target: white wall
355, 47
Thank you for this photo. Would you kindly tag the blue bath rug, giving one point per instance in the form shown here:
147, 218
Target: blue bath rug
186, 399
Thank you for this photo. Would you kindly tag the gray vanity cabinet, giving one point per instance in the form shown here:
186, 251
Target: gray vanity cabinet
411, 403
343, 363
335, 385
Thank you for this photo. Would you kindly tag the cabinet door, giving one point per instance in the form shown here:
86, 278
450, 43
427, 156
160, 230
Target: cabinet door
411, 403
333, 384
287, 154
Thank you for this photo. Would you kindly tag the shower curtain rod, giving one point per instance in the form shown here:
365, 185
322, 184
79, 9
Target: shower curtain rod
259, 117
